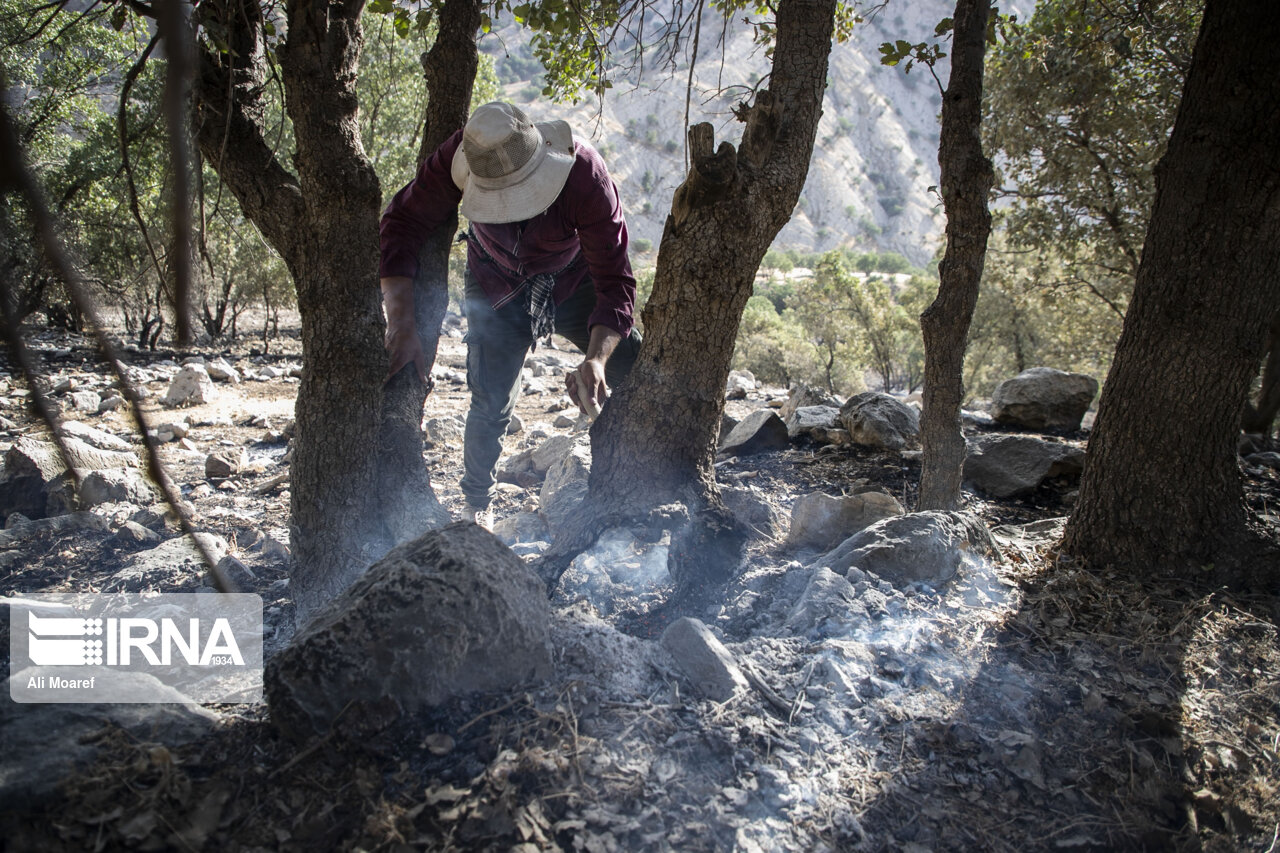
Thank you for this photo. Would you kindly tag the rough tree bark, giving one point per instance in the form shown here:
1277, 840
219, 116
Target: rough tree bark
966, 180
1162, 489
450, 71
655, 442
324, 224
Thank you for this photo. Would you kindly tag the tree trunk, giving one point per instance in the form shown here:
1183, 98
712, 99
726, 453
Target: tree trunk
1162, 488
966, 180
324, 223
450, 71
655, 441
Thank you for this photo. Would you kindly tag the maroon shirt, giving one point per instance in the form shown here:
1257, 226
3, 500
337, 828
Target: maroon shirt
587, 217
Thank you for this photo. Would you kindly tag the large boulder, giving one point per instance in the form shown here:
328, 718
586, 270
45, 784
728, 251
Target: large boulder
448, 614
821, 521
1043, 398
879, 420
758, 432
190, 386
922, 546
1004, 466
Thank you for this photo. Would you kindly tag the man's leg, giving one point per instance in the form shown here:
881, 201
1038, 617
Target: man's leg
571, 322
497, 343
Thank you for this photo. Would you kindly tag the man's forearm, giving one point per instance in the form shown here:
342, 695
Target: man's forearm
604, 341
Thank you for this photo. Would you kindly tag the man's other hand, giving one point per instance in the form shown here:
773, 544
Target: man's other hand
586, 386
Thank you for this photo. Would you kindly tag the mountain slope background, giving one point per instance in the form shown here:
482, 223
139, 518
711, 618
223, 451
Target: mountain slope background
871, 182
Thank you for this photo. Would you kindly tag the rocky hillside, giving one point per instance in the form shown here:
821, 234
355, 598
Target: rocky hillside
876, 155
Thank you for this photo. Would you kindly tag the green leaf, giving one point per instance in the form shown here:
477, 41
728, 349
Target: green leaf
944, 26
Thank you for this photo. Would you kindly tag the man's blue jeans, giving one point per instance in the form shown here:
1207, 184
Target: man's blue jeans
497, 343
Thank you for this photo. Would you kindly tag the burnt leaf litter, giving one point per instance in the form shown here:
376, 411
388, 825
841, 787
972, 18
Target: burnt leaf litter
1029, 704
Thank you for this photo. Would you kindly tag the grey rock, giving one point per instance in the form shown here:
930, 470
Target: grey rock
225, 463
448, 614
829, 600
565, 486
921, 546
237, 572
116, 485
521, 527
110, 404
34, 483
41, 745
803, 395
98, 438
220, 371
86, 401
550, 452
879, 420
821, 521
1266, 459
190, 386
1004, 466
727, 423
133, 533
18, 529
515, 425
805, 420
1043, 398
445, 432
703, 659
739, 384
760, 431
169, 567
837, 437
753, 511
563, 422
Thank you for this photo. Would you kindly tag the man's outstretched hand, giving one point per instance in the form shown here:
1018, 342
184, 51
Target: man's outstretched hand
586, 386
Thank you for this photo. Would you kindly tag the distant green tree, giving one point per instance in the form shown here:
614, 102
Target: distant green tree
1078, 108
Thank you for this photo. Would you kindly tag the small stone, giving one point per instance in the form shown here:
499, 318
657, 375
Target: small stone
86, 401
224, 463
191, 386
703, 659
564, 422
133, 533
515, 425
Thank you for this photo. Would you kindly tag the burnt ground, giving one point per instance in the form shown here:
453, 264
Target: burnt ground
1027, 705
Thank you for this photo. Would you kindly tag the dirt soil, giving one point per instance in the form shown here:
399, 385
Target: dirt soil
1029, 704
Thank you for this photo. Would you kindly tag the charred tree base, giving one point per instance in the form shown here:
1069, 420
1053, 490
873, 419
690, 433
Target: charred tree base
707, 542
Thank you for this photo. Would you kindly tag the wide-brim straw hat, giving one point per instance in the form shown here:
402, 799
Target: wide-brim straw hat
508, 167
